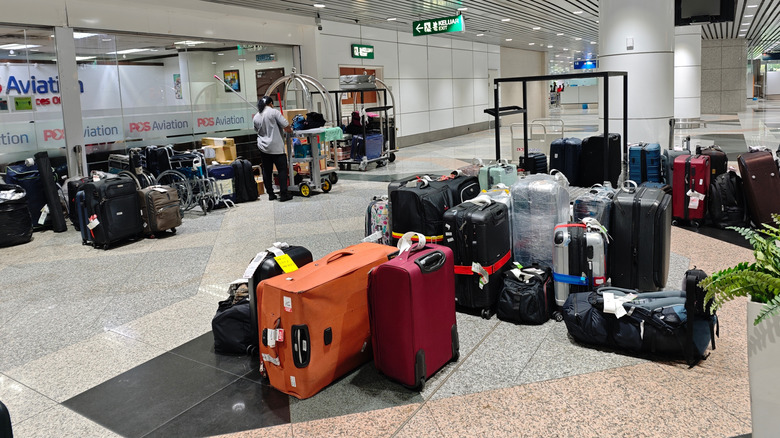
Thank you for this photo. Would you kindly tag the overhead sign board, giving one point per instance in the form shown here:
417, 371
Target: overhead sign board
362, 51
586, 65
438, 25
265, 57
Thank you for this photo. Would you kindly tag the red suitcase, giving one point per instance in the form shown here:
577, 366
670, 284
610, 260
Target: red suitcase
761, 184
411, 301
689, 188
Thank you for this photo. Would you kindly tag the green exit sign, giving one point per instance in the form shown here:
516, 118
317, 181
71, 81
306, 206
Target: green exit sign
438, 25
362, 51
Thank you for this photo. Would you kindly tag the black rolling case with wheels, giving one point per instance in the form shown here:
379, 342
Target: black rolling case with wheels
113, 211
246, 187
591, 165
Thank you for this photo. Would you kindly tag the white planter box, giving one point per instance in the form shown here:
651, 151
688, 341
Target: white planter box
764, 365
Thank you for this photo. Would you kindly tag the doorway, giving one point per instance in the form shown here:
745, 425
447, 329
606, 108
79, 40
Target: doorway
264, 78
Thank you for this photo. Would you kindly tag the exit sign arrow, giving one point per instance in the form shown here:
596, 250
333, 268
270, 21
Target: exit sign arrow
438, 25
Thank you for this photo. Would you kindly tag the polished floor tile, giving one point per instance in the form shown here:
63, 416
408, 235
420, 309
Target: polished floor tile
60, 421
22, 402
201, 350
377, 423
171, 326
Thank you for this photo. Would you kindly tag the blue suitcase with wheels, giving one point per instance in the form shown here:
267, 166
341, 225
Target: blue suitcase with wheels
81, 213
565, 157
224, 175
644, 162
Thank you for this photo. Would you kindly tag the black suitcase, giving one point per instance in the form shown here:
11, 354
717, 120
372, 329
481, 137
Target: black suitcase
73, 187
419, 206
478, 233
264, 266
641, 232
719, 161
461, 187
726, 201
246, 187
591, 164
565, 157
537, 163
113, 210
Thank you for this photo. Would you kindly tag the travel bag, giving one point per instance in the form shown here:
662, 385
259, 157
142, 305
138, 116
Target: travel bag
232, 325
15, 222
689, 191
497, 173
719, 161
244, 181
378, 220
596, 203
644, 162
265, 265
640, 231
761, 183
224, 177
411, 299
52, 192
160, 209
579, 258
477, 232
29, 178
314, 325
112, 211
527, 296
592, 161
565, 157
726, 202
539, 203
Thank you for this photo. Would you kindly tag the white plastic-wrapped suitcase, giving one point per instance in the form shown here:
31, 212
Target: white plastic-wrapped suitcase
539, 203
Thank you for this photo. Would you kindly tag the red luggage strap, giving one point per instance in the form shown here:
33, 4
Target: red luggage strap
467, 270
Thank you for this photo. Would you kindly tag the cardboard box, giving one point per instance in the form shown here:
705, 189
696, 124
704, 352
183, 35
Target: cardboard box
323, 163
260, 185
222, 150
302, 168
289, 114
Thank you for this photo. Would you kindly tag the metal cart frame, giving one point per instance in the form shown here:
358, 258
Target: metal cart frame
318, 179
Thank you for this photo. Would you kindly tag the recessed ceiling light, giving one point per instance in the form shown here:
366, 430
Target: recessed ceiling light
190, 42
123, 52
593, 42
597, 21
318, 5
220, 54
748, 16
552, 60
80, 35
549, 47
392, 19
480, 34
752, 6
559, 34
557, 56
505, 19
51, 36
531, 44
746, 24
463, 9
242, 59
106, 40
576, 12
536, 28
84, 58
18, 46
508, 39
565, 49
153, 50
577, 39
213, 62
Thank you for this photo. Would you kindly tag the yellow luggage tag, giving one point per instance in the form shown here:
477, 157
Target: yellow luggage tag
286, 263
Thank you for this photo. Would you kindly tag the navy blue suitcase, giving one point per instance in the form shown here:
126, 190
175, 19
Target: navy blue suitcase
644, 162
225, 176
565, 157
29, 178
81, 213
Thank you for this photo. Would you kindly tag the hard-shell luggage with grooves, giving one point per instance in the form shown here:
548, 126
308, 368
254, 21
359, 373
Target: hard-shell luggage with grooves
761, 184
644, 162
719, 161
726, 202
579, 260
224, 175
477, 231
411, 300
497, 173
265, 265
591, 164
668, 157
160, 208
689, 191
378, 219
314, 324
527, 296
112, 210
537, 163
565, 157
15, 222
638, 256
596, 203
539, 203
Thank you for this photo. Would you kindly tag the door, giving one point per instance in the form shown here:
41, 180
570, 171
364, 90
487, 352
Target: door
368, 97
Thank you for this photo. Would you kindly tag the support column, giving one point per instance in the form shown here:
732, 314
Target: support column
71, 102
637, 36
687, 75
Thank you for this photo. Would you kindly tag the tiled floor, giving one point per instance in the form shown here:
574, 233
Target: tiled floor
98, 343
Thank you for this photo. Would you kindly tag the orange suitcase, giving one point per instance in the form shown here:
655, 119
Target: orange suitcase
314, 321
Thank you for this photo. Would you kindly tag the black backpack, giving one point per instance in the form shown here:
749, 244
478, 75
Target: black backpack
232, 325
246, 187
726, 201
314, 120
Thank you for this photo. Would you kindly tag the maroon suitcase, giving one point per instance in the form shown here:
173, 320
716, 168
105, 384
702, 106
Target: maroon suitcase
761, 183
691, 174
411, 301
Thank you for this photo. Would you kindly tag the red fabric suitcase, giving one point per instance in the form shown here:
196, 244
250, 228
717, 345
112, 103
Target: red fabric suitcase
411, 302
689, 188
761, 184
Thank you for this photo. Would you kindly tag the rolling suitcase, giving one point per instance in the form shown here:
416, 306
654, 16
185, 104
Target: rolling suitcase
565, 157
378, 220
539, 203
477, 232
497, 173
112, 210
411, 300
641, 224
15, 222
726, 204
761, 184
591, 164
264, 266
314, 321
28, 178
160, 208
224, 176
719, 161
73, 186
668, 157
644, 162
537, 163
596, 203
81, 215
579, 259
461, 187
527, 296
689, 191
418, 207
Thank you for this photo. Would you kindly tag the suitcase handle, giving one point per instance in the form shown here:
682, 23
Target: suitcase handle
431, 262
338, 255
407, 245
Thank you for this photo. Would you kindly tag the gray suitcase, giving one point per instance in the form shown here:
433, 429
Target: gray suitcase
579, 260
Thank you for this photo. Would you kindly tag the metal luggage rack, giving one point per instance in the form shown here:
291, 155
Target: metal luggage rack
190, 179
132, 164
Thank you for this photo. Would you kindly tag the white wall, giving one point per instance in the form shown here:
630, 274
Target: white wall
517, 63
773, 82
438, 82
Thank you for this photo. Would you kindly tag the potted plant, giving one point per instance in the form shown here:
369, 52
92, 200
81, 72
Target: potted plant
760, 281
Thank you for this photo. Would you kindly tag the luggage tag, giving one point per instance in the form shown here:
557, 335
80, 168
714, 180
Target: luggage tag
44, 214
93, 222
614, 305
286, 263
484, 277
695, 199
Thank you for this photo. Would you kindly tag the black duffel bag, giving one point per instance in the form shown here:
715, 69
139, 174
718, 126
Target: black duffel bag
528, 299
15, 221
232, 325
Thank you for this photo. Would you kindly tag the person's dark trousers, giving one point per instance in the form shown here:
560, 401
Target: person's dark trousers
268, 163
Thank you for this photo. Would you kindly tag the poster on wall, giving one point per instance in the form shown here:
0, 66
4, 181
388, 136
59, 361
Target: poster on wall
231, 78
177, 85
23, 103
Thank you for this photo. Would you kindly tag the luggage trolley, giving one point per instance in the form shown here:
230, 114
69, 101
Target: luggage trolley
304, 91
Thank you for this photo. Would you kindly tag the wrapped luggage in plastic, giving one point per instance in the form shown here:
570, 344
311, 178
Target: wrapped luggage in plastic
15, 221
539, 203
595, 203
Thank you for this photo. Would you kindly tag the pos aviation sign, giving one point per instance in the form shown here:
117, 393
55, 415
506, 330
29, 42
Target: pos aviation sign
438, 25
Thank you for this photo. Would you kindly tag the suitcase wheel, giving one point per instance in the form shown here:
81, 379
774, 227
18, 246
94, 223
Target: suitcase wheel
486, 313
558, 316
173, 230
697, 223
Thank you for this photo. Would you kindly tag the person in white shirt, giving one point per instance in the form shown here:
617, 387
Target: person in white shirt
269, 124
